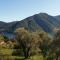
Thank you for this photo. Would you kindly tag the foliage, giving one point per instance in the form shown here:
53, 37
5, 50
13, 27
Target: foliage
27, 41
56, 46
31, 46
33, 43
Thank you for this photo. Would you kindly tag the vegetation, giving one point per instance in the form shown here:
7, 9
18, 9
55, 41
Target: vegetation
30, 46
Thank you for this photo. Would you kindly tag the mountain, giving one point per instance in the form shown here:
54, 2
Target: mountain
41, 21
57, 17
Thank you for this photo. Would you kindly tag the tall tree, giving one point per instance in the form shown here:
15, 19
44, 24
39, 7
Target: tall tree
56, 45
23, 40
28, 41
45, 42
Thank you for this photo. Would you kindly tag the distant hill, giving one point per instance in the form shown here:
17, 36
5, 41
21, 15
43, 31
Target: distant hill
41, 21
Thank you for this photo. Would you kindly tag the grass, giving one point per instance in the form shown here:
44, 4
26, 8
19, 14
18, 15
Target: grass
31, 58
7, 52
36, 57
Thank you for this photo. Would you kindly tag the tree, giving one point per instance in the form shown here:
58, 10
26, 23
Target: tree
3, 38
45, 42
24, 40
28, 41
34, 44
56, 45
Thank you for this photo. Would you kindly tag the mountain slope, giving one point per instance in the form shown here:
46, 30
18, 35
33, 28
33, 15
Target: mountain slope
41, 21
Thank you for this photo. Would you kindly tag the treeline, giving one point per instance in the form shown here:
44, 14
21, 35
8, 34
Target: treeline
29, 44
38, 43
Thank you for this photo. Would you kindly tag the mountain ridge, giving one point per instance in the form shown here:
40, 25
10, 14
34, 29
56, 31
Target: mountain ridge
41, 21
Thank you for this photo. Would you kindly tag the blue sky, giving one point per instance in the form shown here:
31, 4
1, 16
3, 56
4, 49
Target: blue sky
14, 10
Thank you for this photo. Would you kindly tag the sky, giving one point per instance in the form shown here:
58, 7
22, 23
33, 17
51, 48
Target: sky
16, 10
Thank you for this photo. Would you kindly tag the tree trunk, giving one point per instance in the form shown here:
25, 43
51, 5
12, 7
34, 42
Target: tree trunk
26, 53
57, 57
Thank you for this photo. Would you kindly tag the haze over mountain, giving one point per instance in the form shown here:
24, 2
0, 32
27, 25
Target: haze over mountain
41, 21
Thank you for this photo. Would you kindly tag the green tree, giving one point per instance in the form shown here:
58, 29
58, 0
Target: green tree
23, 40
56, 45
1, 37
28, 41
45, 42
34, 44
